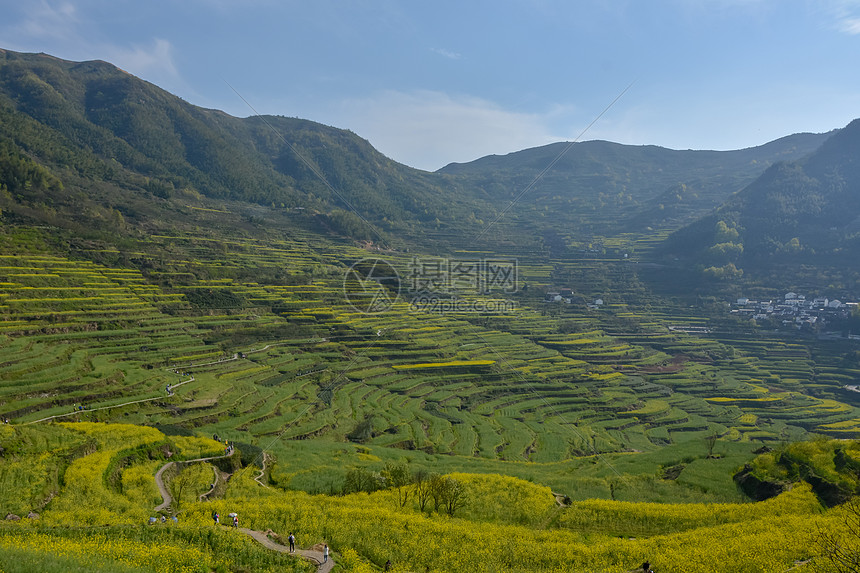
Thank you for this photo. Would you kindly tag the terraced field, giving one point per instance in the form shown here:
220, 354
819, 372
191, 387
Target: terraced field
259, 343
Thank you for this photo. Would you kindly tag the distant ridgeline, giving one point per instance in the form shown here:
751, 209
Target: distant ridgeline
129, 154
802, 213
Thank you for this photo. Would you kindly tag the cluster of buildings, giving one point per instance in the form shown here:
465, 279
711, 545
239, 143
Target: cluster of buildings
794, 309
565, 296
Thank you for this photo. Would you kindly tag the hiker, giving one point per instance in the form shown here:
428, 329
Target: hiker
216, 517
292, 539
325, 554
163, 519
646, 568
236, 521
387, 566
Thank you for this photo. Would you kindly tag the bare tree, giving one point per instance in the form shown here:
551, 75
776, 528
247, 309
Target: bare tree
422, 481
436, 490
454, 495
361, 479
397, 477
184, 485
840, 549
710, 442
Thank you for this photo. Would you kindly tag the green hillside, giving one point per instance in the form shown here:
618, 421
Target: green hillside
93, 123
797, 214
170, 273
149, 151
598, 188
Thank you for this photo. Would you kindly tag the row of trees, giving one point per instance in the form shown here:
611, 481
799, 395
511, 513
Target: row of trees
446, 493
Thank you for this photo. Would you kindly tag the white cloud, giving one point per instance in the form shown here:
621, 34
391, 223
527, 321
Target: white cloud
64, 29
446, 53
429, 129
846, 13
154, 62
44, 20
850, 25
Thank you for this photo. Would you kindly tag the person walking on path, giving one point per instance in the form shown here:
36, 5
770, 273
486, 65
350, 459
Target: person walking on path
216, 517
292, 539
325, 554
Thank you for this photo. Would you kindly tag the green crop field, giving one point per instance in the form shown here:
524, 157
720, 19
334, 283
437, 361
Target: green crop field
271, 363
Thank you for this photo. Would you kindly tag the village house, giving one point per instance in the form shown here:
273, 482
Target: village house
794, 309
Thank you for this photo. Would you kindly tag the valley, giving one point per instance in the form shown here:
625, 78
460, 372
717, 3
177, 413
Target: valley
357, 328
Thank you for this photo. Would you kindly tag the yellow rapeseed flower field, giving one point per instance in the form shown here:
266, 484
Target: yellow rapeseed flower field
508, 525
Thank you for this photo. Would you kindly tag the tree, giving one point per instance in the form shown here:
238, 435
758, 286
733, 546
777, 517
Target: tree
436, 488
184, 485
361, 479
363, 431
725, 251
453, 495
723, 233
839, 549
398, 477
710, 442
421, 483
447, 493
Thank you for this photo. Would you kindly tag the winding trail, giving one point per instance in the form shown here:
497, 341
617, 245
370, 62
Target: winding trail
76, 412
314, 554
309, 554
174, 369
162, 489
262, 471
205, 496
236, 355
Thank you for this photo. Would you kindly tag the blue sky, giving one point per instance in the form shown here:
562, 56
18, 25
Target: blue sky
429, 83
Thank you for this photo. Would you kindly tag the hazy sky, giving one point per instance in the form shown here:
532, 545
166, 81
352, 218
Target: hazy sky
429, 83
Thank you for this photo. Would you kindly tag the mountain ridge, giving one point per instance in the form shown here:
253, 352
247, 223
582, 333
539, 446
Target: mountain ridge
96, 126
796, 212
